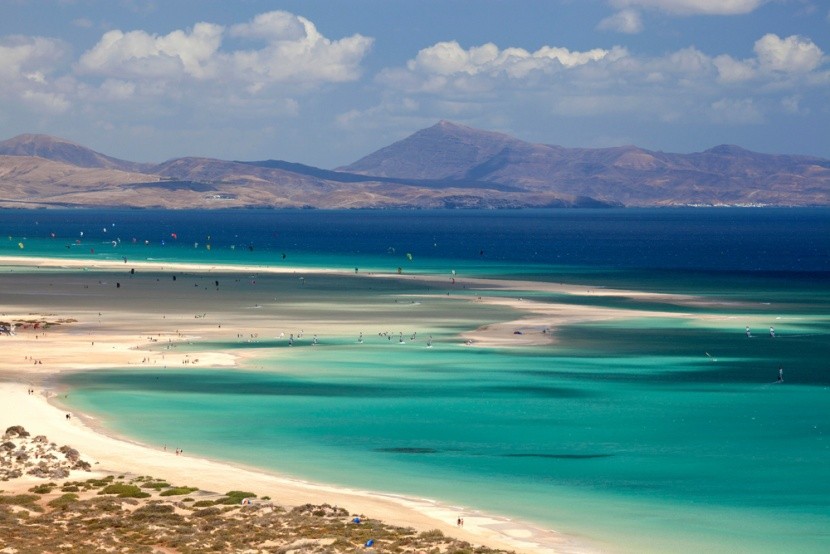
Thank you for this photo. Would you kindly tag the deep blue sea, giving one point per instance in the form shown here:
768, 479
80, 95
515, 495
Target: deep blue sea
642, 434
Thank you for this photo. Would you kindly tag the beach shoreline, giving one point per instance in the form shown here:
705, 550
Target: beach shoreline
109, 453
75, 341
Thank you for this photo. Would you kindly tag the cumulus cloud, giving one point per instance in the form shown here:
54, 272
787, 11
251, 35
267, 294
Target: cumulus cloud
275, 26
20, 55
243, 74
793, 54
731, 70
694, 7
775, 58
27, 67
626, 21
294, 52
448, 65
687, 85
138, 54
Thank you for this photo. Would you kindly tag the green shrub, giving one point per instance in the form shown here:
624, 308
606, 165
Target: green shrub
203, 503
44, 488
124, 491
94, 483
158, 485
70, 488
178, 491
235, 497
24, 500
207, 512
64, 500
156, 513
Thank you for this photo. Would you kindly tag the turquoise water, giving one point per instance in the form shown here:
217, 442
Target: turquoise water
645, 434
626, 433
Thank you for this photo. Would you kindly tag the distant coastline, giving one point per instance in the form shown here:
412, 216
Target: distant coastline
447, 166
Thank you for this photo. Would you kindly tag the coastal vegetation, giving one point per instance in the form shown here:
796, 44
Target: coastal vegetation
136, 513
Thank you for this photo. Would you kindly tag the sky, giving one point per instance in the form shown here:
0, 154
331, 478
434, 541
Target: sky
326, 82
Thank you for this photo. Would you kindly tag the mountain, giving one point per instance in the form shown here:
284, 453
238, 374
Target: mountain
61, 150
629, 175
33, 182
443, 151
445, 166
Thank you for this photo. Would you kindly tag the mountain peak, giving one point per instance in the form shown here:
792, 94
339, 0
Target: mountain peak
33, 140
445, 150
457, 129
61, 150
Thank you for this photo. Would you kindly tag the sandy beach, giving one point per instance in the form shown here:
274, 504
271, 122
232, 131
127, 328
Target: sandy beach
76, 315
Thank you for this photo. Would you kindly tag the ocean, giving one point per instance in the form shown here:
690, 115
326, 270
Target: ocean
643, 434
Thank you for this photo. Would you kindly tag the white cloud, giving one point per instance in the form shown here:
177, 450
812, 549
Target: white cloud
793, 54
447, 64
731, 70
684, 86
625, 21
21, 55
694, 7
27, 66
295, 52
775, 59
138, 54
275, 26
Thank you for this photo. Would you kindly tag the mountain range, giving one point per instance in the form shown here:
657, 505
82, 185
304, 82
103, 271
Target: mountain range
444, 166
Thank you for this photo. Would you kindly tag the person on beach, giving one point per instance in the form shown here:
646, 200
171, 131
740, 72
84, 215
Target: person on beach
780, 374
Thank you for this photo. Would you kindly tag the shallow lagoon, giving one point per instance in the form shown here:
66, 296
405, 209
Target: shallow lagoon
626, 431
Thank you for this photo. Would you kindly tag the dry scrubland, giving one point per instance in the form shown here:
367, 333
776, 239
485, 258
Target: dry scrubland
132, 513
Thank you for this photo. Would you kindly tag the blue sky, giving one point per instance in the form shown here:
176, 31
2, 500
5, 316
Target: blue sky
327, 82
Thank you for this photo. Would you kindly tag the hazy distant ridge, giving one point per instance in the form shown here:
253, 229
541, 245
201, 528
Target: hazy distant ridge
627, 174
446, 165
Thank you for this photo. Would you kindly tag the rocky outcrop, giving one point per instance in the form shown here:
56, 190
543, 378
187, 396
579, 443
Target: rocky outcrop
20, 454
